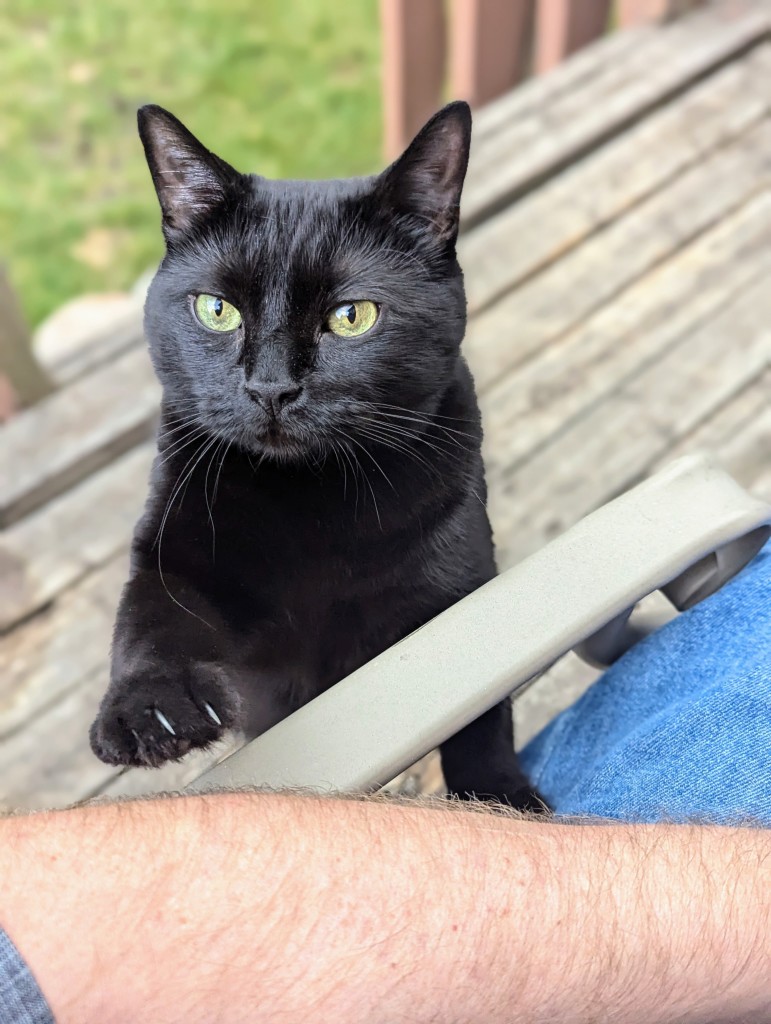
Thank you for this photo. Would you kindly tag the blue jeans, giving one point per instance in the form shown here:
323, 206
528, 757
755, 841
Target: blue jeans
679, 729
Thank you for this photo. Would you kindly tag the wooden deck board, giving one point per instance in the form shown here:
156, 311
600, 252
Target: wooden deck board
621, 438
55, 651
619, 318
92, 421
521, 154
541, 228
574, 373
556, 300
56, 545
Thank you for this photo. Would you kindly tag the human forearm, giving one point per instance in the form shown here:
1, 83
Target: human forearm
279, 909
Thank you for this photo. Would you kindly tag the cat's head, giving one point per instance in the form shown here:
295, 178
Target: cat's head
292, 316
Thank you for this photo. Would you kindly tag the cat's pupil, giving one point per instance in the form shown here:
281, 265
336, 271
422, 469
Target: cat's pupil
350, 314
218, 307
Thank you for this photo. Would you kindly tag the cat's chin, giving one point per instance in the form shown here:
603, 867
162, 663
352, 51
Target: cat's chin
282, 448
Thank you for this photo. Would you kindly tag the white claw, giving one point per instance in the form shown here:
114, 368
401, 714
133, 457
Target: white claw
164, 721
212, 713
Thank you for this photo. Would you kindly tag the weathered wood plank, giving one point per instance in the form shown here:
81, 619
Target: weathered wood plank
739, 434
49, 763
126, 332
514, 159
529, 235
76, 431
617, 442
558, 385
526, 321
86, 526
53, 653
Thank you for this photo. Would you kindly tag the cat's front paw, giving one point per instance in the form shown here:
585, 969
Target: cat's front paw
146, 722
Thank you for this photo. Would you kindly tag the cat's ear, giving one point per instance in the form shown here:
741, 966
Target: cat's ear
190, 181
427, 179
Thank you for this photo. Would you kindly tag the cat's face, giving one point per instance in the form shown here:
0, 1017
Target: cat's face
294, 318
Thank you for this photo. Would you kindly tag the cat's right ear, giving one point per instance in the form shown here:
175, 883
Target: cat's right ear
190, 181
427, 179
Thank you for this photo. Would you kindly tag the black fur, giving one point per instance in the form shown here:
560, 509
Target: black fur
284, 545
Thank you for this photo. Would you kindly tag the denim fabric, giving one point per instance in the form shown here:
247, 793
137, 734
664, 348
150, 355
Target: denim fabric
680, 727
21, 1001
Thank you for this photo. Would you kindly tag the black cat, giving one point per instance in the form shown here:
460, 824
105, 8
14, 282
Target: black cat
318, 491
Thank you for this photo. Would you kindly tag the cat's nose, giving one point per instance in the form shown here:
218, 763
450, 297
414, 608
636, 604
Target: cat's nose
272, 396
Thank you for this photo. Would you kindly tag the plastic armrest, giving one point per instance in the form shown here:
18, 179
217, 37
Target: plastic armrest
688, 529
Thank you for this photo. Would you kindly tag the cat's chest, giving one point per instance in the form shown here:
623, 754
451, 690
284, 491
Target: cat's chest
314, 557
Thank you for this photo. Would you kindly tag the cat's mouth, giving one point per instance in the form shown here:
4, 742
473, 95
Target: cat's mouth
279, 441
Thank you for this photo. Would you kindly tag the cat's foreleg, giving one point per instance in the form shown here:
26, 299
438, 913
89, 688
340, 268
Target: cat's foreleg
169, 690
480, 762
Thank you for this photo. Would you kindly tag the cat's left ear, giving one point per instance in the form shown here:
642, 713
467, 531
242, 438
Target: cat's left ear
190, 181
427, 179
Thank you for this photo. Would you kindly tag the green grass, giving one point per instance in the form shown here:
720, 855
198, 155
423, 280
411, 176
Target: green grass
281, 87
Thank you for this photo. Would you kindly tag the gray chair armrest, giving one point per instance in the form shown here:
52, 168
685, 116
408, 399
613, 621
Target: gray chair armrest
687, 530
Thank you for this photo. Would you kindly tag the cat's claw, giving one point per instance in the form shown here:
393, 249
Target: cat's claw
131, 729
165, 722
212, 713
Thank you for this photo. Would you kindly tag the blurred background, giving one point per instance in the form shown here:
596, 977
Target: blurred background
615, 240
285, 89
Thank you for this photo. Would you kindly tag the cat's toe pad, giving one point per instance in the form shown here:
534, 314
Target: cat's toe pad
149, 723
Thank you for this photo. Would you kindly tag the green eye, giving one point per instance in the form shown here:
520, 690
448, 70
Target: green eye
353, 318
216, 314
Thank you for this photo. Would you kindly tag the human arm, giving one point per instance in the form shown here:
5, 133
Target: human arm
252, 907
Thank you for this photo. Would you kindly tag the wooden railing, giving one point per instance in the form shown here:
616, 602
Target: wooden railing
477, 49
